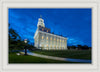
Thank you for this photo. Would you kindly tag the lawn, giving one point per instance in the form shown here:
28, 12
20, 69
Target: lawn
13, 58
77, 54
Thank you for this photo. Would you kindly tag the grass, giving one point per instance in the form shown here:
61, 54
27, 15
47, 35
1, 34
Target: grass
22, 59
13, 58
77, 54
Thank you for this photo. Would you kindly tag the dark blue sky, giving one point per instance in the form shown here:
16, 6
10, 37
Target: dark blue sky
75, 24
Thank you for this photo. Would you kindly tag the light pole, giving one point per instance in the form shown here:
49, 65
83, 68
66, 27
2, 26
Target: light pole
25, 46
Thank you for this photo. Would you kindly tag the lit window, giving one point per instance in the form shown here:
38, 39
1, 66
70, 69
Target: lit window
54, 39
47, 45
47, 38
42, 37
47, 30
42, 29
50, 38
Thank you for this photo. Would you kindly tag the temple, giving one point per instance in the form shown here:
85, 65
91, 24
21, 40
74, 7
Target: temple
45, 40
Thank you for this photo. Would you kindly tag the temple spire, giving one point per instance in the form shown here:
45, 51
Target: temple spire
41, 22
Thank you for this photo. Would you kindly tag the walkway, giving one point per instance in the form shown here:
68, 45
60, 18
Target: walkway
58, 58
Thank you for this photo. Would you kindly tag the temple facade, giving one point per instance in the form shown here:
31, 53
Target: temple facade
45, 40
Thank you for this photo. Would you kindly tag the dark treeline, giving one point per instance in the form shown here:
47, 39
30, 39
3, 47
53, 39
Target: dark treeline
79, 47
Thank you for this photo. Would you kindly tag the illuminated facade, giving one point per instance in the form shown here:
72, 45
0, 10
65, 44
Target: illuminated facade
46, 40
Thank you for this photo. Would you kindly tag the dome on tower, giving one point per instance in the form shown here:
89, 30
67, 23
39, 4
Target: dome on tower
41, 22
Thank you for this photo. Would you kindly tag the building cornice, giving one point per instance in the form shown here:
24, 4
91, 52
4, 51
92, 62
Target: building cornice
52, 34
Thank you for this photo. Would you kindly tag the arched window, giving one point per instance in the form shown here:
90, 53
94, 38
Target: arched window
42, 37
47, 45
42, 29
47, 30
51, 38
47, 38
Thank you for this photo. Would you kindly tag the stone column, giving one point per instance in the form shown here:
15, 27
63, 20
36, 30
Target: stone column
65, 43
59, 42
44, 41
49, 42
38, 40
52, 42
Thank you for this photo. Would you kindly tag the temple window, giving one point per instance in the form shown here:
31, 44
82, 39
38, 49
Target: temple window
51, 38
42, 29
42, 37
47, 45
47, 38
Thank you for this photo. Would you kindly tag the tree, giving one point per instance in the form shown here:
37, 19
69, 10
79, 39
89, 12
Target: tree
13, 34
73, 47
85, 47
15, 41
79, 47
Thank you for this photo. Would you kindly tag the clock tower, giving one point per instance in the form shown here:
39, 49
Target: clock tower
40, 22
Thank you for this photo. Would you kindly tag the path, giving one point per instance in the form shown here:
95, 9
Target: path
58, 58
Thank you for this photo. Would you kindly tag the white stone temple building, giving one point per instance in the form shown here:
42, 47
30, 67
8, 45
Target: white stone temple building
46, 40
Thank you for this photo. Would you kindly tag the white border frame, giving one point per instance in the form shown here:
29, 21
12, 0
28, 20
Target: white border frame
7, 66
